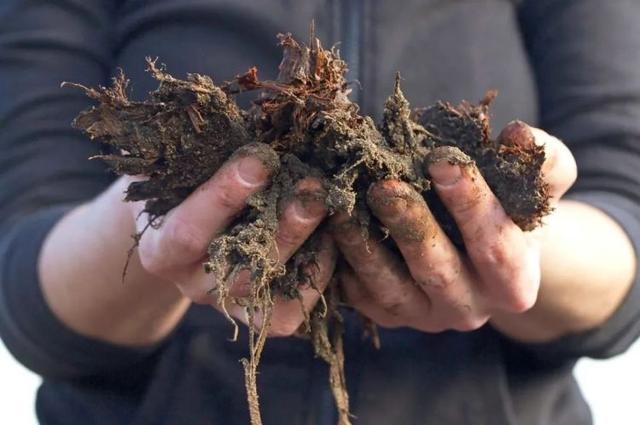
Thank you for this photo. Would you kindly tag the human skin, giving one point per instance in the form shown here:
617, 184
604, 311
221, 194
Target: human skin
534, 286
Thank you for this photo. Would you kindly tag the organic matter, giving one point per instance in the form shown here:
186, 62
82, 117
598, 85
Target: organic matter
302, 124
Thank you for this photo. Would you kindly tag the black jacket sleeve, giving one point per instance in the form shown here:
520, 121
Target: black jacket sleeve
44, 168
585, 57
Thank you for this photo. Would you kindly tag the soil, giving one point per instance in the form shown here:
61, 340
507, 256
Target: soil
301, 124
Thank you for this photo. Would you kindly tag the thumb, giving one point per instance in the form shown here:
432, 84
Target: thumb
559, 170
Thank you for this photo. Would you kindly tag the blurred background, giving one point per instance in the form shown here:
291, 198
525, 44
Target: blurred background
611, 387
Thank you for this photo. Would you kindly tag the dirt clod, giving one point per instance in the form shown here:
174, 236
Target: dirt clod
302, 124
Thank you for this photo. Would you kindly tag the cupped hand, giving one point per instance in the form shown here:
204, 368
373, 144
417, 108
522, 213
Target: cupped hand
176, 249
433, 286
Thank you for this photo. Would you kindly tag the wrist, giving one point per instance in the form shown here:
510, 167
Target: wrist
81, 265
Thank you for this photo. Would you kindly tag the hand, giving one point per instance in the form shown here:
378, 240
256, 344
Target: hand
435, 287
176, 249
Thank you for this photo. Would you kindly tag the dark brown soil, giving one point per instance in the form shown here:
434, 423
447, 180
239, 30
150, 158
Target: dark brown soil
301, 124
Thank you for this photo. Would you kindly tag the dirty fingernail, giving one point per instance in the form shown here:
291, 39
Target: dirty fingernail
342, 228
309, 209
517, 133
392, 207
445, 174
347, 234
252, 171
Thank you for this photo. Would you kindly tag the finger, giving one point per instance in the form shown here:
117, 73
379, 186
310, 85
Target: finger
299, 219
432, 259
361, 300
197, 285
387, 286
559, 168
496, 246
517, 133
289, 315
186, 231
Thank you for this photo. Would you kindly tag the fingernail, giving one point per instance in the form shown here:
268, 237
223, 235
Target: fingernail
445, 174
391, 207
252, 171
348, 236
342, 228
309, 209
517, 133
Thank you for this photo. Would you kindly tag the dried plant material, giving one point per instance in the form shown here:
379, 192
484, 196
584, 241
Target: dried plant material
303, 124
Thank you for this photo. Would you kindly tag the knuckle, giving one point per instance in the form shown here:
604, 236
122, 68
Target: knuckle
185, 239
392, 303
520, 289
522, 305
521, 300
153, 259
152, 264
149, 258
440, 279
496, 255
469, 322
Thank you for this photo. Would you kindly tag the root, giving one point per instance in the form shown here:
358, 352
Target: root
259, 306
301, 125
259, 302
136, 241
328, 345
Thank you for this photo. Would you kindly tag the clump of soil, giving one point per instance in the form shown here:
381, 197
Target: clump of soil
301, 124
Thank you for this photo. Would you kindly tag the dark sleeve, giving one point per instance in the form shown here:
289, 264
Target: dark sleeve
585, 55
44, 169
